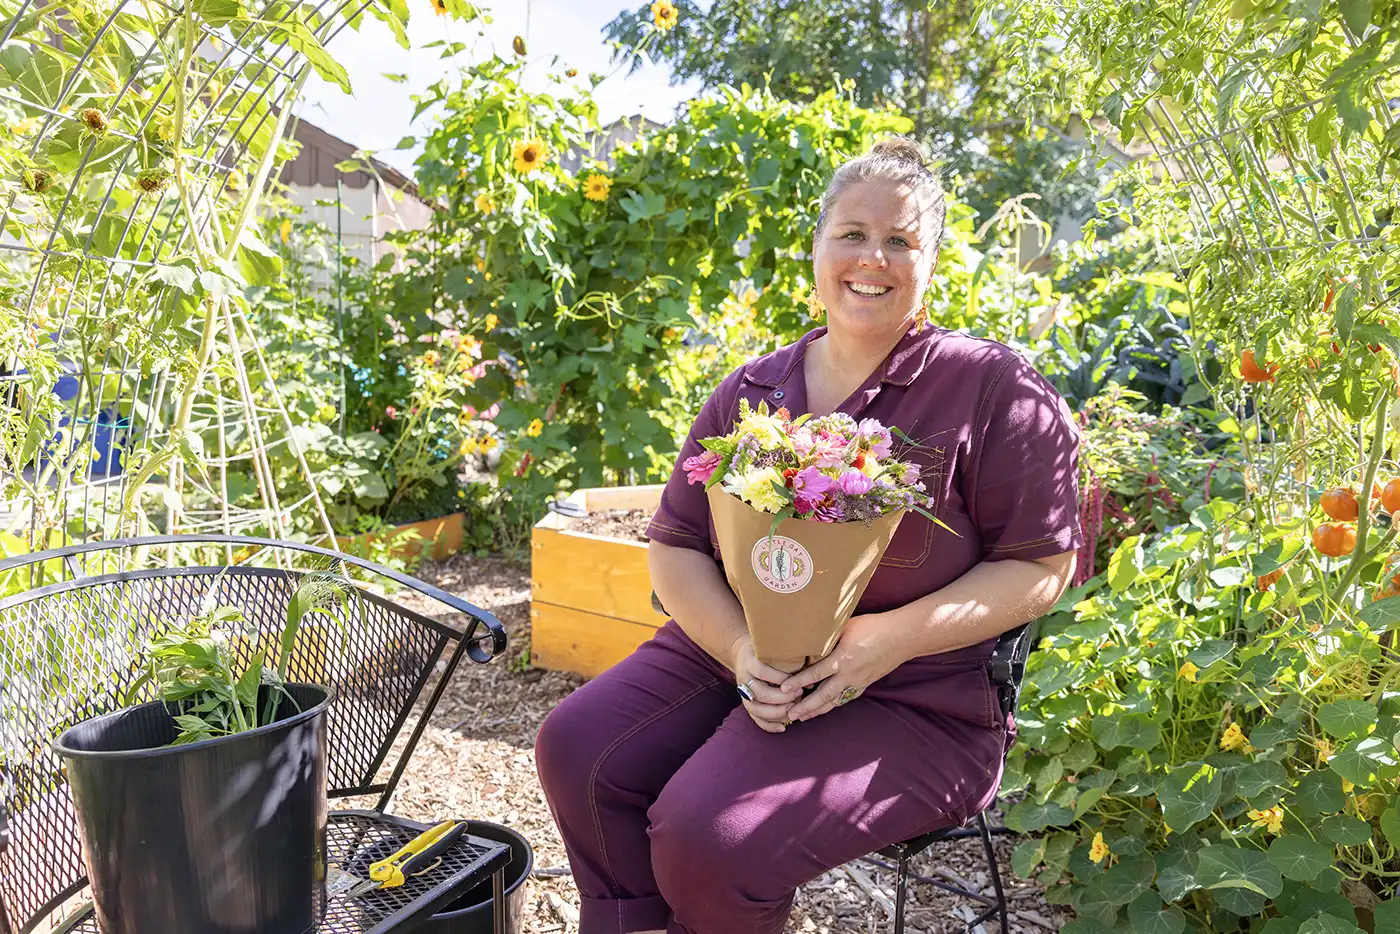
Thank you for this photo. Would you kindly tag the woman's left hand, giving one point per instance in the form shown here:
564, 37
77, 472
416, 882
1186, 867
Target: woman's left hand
864, 653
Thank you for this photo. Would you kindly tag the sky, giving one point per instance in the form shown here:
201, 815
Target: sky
377, 116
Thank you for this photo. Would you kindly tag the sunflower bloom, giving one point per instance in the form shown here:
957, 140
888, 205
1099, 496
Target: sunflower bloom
439, 7
1271, 818
1232, 738
485, 203
536, 426
664, 14
1188, 671
596, 187
530, 155
1098, 849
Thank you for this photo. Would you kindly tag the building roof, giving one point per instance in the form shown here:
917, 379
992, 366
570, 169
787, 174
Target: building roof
321, 152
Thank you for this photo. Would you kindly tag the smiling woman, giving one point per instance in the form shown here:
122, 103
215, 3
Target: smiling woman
694, 786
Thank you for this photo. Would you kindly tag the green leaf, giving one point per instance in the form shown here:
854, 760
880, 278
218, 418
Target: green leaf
1210, 652
1090, 789
1125, 564
1346, 719
1276, 555
218, 13
300, 39
1390, 825
1356, 14
1127, 879
1086, 926
1381, 616
1329, 924
1027, 856
1258, 777
1270, 732
1028, 817
1364, 761
1241, 880
1148, 914
1344, 829
1176, 873
1387, 915
1189, 794
1319, 792
179, 277
258, 264
1298, 858
1135, 731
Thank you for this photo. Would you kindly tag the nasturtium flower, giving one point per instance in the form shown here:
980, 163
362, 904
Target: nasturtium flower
1347, 787
665, 15
1098, 849
596, 187
535, 428
491, 322
1271, 818
1232, 738
485, 203
1188, 670
530, 155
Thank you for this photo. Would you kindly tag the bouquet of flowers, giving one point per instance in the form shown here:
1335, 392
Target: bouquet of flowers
804, 509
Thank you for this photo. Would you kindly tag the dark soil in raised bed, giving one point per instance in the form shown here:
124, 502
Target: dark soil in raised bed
629, 524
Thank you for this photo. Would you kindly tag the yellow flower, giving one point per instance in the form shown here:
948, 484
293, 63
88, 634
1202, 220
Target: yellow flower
1232, 738
768, 429
439, 7
1187, 671
536, 426
664, 14
430, 358
487, 443
1347, 787
469, 447
849, 84
755, 487
596, 187
485, 203
1324, 751
530, 155
469, 346
325, 413
491, 322
1272, 818
284, 230
24, 127
1098, 849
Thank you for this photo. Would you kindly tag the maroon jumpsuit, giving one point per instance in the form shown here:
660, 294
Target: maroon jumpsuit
676, 810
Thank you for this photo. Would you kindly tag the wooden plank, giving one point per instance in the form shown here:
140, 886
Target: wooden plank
585, 643
591, 573
623, 497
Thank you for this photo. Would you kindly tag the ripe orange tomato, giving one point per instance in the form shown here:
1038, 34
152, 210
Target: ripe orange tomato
1267, 581
1340, 503
1390, 496
1334, 539
1251, 372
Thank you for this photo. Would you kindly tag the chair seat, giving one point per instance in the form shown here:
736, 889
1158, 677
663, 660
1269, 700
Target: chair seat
907, 849
354, 840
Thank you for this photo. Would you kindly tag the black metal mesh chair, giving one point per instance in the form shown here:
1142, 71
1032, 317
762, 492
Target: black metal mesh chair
70, 645
1008, 668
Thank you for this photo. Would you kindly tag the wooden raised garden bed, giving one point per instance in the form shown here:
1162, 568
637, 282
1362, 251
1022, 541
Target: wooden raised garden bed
590, 603
438, 538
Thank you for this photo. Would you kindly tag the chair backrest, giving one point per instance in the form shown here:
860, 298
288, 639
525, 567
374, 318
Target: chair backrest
72, 649
1008, 663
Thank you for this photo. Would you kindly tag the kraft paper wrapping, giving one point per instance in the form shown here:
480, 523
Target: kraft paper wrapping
798, 591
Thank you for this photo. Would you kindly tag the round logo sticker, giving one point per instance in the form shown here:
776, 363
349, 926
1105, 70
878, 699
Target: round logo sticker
781, 564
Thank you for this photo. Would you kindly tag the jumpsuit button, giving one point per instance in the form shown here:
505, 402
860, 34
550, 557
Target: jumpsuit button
778, 394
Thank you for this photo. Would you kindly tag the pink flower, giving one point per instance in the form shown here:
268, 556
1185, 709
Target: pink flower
877, 436
853, 483
911, 474
828, 450
809, 485
698, 469
492, 412
390, 411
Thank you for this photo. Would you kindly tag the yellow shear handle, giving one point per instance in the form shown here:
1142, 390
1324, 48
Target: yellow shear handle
388, 872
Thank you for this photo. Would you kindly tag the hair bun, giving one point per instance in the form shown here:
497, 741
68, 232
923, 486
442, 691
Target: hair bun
902, 148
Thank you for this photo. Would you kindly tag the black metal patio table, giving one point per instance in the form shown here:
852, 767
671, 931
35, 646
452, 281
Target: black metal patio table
73, 628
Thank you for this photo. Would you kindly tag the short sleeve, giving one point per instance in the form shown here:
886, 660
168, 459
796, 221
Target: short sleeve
1025, 484
683, 518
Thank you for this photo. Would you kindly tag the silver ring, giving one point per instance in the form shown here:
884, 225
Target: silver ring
745, 691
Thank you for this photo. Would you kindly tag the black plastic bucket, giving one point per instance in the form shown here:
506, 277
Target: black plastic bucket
472, 913
224, 836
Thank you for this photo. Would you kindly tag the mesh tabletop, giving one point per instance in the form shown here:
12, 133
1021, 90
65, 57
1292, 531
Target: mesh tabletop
356, 839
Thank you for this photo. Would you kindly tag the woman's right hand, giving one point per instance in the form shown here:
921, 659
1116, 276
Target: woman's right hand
770, 706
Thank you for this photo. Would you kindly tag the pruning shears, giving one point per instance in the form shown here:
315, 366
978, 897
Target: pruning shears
419, 855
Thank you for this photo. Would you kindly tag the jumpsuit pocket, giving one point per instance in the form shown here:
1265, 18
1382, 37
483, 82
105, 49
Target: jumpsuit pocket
959, 689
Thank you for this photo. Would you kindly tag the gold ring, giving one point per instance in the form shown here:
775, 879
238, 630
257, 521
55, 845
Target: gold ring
848, 695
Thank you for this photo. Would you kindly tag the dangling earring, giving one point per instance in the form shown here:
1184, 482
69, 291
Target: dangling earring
921, 319
816, 309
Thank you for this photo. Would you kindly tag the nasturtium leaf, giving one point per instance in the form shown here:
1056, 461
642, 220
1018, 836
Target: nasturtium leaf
1027, 856
1091, 788
1133, 730
1093, 903
1258, 777
1281, 925
1364, 761
1176, 873
1079, 756
1276, 555
1189, 794
1241, 880
1148, 914
1231, 576
1125, 564
1318, 792
1270, 732
1086, 926
1328, 924
1390, 825
1028, 817
1382, 615
1128, 878
1209, 652
1346, 719
1387, 915
1344, 829
1299, 858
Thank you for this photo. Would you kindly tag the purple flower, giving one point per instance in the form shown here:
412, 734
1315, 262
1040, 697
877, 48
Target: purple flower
701, 467
877, 435
911, 474
809, 485
829, 510
853, 483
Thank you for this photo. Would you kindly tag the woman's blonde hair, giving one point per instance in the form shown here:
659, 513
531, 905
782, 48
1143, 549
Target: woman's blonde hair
897, 160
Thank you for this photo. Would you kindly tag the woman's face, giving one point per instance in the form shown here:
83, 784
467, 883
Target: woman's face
873, 259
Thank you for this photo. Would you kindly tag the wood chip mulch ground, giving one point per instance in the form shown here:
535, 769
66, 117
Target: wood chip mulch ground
476, 759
